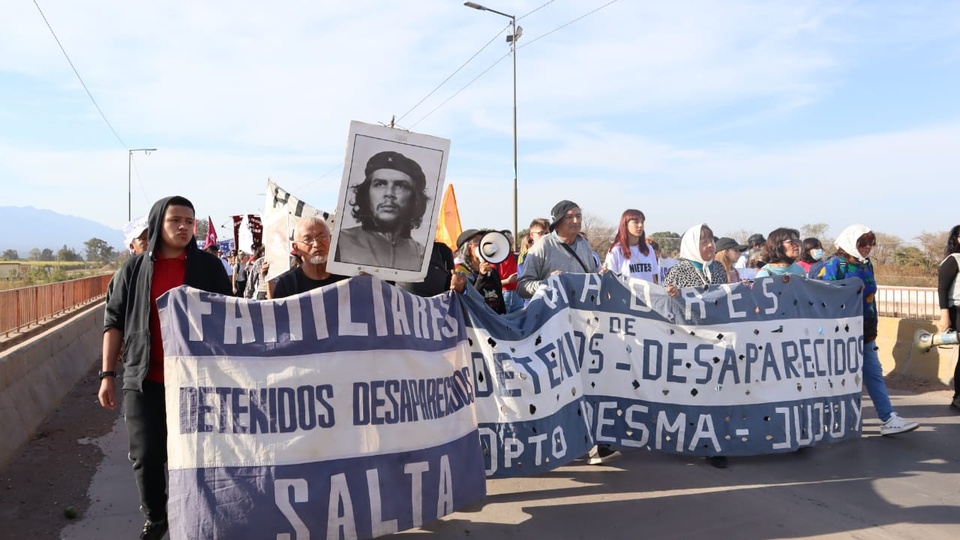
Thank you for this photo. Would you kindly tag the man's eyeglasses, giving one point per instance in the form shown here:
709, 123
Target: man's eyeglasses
314, 241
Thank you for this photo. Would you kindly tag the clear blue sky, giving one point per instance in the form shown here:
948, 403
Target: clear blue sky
748, 115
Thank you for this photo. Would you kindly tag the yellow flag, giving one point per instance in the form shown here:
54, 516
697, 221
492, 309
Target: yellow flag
448, 225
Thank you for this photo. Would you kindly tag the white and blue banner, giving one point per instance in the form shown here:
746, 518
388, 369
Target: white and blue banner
346, 412
741, 369
358, 410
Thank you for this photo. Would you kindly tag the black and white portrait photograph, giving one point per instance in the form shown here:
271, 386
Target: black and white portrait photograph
389, 202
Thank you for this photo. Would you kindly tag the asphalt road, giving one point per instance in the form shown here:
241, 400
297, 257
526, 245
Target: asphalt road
906, 486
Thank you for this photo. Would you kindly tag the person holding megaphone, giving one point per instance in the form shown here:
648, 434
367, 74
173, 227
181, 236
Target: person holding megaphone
480, 251
948, 289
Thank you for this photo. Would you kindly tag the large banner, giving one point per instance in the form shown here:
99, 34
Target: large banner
742, 369
358, 409
342, 413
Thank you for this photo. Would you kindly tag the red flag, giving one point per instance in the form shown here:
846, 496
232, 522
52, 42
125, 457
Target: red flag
256, 230
211, 234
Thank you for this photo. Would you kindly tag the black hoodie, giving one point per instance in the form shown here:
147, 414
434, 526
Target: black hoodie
128, 308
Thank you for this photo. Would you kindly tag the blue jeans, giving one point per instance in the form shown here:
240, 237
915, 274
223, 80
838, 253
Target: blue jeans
873, 380
513, 301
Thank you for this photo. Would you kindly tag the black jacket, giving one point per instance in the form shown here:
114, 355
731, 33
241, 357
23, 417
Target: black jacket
128, 308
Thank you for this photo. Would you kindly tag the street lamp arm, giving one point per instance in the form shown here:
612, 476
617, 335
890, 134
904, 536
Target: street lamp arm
475, 5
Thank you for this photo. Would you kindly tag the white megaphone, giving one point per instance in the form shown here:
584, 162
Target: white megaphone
925, 340
494, 247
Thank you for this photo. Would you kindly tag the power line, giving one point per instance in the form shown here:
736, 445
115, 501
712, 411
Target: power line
79, 78
482, 73
587, 14
404, 115
322, 176
545, 4
504, 56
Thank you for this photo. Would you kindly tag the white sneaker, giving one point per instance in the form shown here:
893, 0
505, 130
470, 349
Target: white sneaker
895, 425
600, 455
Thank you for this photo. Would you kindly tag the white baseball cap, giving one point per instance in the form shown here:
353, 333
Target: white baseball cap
133, 229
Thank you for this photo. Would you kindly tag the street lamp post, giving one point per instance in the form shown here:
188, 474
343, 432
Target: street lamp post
516, 32
129, 161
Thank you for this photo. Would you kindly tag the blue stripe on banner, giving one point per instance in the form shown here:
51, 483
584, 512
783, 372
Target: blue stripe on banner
536, 446
360, 497
359, 314
735, 430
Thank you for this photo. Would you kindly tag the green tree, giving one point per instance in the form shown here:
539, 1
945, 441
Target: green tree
669, 241
68, 254
47, 255
909, 256
99, 251
10, 255
34, 254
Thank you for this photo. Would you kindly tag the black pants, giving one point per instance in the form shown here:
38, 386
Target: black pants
956, 370
146, 418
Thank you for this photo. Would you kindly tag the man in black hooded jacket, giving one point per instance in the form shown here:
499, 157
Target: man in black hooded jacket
172, 259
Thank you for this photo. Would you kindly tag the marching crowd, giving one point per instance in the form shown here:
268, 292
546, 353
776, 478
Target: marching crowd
166, 255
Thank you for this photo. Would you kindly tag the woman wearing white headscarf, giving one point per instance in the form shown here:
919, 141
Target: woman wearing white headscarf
696, 266
853, 260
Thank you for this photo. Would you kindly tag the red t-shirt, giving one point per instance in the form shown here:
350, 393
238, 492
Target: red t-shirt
506, 269
167, 274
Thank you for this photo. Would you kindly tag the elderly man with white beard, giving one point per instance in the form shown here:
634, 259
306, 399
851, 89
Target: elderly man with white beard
312, 243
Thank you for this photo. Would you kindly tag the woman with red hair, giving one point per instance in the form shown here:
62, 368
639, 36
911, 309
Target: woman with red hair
629, 253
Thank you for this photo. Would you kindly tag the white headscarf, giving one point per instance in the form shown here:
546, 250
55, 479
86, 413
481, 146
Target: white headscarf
847, 241
690, 248
690, 244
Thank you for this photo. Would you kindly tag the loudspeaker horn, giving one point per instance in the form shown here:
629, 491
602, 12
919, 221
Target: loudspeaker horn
925, 341
494, 247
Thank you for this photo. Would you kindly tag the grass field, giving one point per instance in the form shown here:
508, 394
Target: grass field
17, 274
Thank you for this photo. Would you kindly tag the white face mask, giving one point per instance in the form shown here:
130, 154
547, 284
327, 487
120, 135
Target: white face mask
817, 254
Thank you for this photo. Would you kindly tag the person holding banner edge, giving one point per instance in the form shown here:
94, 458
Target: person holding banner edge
131, 319
853, 260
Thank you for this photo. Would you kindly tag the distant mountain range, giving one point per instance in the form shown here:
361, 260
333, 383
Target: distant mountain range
25, 228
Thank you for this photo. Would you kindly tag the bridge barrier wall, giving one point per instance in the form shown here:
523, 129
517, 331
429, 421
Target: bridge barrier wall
899, 356
37, 374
